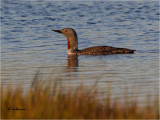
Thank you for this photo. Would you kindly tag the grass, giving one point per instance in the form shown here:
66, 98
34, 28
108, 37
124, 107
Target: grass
72, 104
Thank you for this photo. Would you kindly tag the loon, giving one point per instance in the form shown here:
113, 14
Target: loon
72, 41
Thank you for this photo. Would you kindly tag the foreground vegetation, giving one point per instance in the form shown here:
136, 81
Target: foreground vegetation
71, 104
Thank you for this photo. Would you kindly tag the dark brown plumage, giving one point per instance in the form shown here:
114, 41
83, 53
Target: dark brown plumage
104, 50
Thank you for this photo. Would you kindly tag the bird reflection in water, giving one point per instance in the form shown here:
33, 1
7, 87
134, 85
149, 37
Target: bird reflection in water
72, 63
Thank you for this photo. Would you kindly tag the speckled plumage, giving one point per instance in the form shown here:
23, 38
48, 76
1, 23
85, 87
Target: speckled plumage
104, 50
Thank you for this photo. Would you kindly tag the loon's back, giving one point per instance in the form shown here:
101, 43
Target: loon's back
104, 50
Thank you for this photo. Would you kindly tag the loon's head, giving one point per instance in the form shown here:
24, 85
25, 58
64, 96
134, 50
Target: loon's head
72, 39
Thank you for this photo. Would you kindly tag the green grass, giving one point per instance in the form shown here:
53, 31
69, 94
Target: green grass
72, 104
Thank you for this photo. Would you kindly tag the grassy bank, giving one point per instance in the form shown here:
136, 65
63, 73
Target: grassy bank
78, 104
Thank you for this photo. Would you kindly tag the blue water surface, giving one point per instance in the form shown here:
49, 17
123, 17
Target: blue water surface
29, 46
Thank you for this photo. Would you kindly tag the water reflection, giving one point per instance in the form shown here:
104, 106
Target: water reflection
72, 67
72, 61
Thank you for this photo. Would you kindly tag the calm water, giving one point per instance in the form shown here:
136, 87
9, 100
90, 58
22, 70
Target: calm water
29, 46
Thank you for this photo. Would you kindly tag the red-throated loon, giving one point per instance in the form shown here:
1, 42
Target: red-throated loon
72, 41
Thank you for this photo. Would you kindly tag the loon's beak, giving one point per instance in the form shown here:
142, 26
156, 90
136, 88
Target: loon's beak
57, 31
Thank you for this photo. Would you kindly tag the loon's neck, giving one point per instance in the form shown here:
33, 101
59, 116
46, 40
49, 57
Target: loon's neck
72, 45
